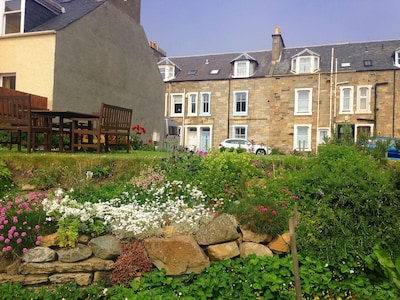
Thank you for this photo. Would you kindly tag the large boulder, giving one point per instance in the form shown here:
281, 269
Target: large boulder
280, 244
248, 248
219, 230
177, 255
39, 254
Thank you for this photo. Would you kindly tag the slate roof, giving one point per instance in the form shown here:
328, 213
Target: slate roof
380, 53
204, 64
74, 10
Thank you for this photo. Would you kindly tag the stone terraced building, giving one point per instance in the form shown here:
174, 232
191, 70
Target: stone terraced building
289, 98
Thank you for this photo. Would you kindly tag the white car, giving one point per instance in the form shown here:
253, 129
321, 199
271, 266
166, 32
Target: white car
243, 143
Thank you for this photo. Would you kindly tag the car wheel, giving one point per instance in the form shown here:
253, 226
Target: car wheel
261, 152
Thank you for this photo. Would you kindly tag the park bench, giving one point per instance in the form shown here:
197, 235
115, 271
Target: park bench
112, 127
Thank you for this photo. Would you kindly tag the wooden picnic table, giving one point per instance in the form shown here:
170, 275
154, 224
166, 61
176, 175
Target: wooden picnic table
62, 123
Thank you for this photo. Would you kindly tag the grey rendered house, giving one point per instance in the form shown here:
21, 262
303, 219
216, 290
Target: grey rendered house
79, 53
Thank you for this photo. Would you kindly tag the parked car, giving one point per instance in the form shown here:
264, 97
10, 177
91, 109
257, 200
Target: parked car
248, 145
373, 142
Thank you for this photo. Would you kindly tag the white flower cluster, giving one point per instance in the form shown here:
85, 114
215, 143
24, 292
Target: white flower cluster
132, 219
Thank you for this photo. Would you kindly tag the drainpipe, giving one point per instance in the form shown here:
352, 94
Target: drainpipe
229, 105
394, 100
375, 101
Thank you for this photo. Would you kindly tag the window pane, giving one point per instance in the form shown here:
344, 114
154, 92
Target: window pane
363, 98
241, 102
305, 65
12, 5
241, 68
13, 22
303, 101
346, 93
240, 132
9, 82
302, 137
205, 103
193, 104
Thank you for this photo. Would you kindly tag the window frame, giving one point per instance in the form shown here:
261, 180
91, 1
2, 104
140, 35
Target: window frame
238, 71
235, 112
320, 137
367, 110
174, 102
297, 112
297, 65
167, 72
296, 136
202, 112
8, 75
190, 104
397, 58
341, 101
240, 136
4, 14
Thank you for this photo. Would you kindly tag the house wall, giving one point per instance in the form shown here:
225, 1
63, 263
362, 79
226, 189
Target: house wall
105, 57
271, 118
31, 58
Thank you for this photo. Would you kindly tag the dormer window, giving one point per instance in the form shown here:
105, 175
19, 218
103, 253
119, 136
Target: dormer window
305, 62
167, 69
12, 16
244, 66
397, 58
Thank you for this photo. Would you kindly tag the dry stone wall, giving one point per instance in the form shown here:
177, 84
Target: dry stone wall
92, 260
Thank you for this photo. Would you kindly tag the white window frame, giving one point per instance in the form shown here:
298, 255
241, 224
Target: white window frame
297, 111
202, 110
342, 109
239, 136
296, 137
367, 109
4, 14
7, 75
177, 99
298, 64
323, 132
237, 112
371, 130
167, 72
241, 69
192, 104
397, 58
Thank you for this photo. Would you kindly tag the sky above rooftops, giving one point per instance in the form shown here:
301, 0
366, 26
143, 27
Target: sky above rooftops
189, 27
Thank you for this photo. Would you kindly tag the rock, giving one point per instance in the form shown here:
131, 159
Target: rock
50, 240
6, 259
28, 187
105, 247
223, 251
78, 253
39, 254
248, 248
177, 255
83, 239
280, 244
102, 276
13, 268
169, 231
89, 265
219, 230
250, 236
81, 279
24, 279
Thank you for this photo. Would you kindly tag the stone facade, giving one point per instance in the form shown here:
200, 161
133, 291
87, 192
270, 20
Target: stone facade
354, 84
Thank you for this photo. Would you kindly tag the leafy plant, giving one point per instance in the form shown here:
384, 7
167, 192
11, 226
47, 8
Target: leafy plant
68, 231
5, 178
390, 267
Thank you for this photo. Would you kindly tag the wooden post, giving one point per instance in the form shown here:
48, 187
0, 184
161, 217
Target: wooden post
293, 221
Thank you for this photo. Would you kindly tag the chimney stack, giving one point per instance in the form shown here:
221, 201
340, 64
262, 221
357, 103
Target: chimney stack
277, 44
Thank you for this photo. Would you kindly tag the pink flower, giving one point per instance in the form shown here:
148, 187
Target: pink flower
15, 219
24, 250
16, 234
274, 212
1, 238
283, 191
19, 241
23, 234
1, 227
39, 237
37, 243
6, 241
37, 227
24, 223
294, 197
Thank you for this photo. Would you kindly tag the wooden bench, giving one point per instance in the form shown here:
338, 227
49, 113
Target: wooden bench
111, 127
16, 117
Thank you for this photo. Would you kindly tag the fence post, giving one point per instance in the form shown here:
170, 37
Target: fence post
293, 221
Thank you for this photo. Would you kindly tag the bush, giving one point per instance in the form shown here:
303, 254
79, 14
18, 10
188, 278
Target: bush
5, 178
347, 203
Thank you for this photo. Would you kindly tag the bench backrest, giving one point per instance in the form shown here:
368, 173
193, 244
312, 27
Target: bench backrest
15, 110
115, 118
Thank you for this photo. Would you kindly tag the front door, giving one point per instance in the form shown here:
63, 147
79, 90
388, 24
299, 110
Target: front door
205, 142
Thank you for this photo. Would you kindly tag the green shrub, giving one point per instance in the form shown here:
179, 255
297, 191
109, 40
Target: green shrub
6, 179
347, 202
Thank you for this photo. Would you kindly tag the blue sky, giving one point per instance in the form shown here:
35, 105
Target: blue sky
189, 27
